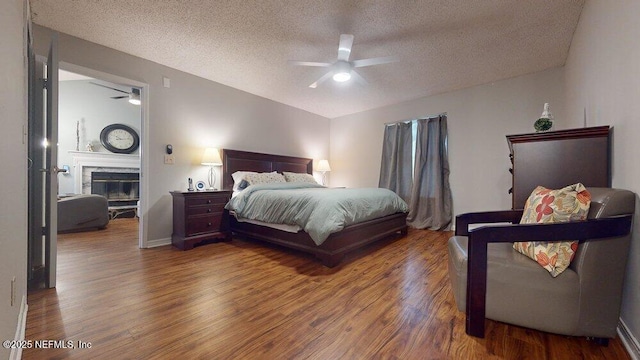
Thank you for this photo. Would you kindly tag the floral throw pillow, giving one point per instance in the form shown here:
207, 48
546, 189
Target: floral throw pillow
545, 206
264, 178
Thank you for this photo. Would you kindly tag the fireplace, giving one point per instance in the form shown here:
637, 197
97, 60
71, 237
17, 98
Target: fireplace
122, 189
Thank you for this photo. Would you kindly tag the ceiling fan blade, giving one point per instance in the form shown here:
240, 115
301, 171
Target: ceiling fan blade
109, 87
344, 48
374, 61
309, 63
357, 77
120, 97
321, 80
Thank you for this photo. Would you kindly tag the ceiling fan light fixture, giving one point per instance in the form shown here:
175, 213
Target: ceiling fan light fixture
342, 76
134, 97
342, 69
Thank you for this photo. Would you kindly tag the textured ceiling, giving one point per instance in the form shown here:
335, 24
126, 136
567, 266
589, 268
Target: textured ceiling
442, 45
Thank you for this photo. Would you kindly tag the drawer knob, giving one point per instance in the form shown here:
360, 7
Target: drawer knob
209, 210
208, 224
209, 201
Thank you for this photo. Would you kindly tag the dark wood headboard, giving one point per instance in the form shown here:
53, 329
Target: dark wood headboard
235, 160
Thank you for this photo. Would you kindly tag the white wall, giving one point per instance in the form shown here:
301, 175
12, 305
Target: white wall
479, 118
192, 114
91, 106
603, 82
13, 156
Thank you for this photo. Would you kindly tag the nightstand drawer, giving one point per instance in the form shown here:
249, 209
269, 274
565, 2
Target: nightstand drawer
203, 224
219, 201
203, 210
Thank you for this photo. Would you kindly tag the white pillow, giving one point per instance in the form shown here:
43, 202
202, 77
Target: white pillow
299, 177
238, 176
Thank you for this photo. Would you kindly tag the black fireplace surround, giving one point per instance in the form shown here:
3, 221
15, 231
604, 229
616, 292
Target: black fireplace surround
120, 189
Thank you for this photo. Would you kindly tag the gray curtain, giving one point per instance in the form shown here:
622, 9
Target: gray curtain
395, 175
430, 204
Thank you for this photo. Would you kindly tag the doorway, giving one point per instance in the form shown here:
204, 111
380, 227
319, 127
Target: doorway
83, 139
82, 114
91, 101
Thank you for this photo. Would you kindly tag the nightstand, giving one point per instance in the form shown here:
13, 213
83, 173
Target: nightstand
199, 216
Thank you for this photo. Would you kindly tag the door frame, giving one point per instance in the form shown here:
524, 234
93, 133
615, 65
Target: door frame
42, 179
144, 137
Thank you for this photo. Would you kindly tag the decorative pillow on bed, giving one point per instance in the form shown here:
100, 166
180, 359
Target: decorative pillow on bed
545, 206
264, 178
299, 177
238, 176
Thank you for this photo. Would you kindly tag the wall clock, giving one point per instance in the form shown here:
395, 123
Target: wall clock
119, 138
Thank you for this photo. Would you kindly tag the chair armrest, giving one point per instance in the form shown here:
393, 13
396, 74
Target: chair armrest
577, 230
464, 220
588, 230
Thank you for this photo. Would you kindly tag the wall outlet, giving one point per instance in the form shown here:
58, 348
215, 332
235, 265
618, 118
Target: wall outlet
13, 291
169, 159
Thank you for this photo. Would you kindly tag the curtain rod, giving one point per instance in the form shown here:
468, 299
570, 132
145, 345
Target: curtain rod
414, 119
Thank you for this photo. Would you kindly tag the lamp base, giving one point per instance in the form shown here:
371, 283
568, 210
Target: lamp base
212, 180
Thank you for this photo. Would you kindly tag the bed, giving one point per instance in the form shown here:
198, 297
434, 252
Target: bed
333, 249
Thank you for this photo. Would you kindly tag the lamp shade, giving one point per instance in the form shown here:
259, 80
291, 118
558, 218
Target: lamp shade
323, 165
211, 157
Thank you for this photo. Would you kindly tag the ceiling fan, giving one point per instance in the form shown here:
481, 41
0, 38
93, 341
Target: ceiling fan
343, 69
133, 96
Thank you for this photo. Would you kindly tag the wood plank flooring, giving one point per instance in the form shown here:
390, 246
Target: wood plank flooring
250, 300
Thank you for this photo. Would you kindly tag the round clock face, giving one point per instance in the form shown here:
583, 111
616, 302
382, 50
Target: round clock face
119, 138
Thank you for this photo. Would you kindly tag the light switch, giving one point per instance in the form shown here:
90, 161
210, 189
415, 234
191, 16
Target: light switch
166, 82
169, 159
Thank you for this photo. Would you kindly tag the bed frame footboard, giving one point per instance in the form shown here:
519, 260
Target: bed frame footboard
332, 251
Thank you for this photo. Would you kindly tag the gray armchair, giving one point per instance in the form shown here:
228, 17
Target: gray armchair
82, 212
490, 279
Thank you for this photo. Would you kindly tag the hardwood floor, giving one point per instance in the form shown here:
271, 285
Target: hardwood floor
242, 299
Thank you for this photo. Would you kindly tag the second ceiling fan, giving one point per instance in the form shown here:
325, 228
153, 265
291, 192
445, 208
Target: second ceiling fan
133, 96
342, 69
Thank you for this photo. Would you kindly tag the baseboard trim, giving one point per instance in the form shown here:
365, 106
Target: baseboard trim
16, 353
629, 341
158, 242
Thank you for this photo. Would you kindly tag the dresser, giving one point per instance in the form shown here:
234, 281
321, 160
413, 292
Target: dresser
556, 159
199, 216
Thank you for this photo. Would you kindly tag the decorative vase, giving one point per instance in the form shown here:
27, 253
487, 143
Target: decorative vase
545, 122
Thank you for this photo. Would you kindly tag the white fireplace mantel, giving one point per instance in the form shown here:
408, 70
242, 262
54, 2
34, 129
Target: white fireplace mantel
83, 159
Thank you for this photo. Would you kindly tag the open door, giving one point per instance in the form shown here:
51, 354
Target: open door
43, 170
